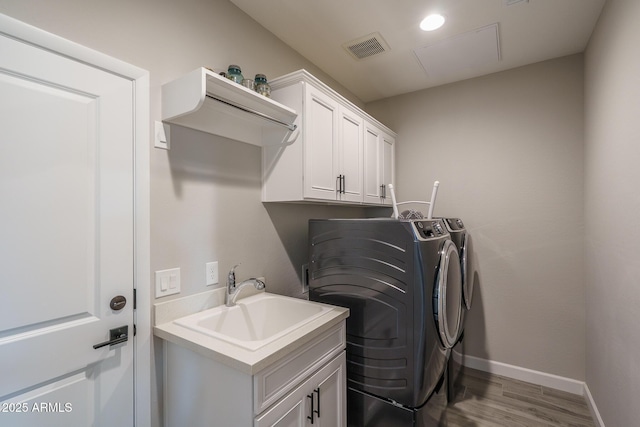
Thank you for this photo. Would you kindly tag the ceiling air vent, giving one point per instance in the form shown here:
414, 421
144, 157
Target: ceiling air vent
367, 46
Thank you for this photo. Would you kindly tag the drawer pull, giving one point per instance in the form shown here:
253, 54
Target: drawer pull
313, 412
317, 391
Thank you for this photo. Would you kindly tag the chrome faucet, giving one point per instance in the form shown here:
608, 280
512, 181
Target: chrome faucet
233, 290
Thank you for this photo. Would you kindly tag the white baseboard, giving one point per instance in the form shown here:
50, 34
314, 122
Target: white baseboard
536, 377
592, 407
524, 374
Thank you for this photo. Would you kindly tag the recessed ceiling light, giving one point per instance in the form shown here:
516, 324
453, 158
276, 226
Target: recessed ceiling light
432, 22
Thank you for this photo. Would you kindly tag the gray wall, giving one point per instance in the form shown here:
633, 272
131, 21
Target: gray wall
205, 192
612, 204
507, 149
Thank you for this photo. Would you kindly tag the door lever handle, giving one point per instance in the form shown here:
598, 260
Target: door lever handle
116, 336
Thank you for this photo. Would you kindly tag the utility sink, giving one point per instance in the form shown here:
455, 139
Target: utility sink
254, 321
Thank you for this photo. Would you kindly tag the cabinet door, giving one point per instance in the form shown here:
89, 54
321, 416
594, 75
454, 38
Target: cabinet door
372, 165
331, 398
320, 145
379, 167
388, 166
350, 155
318, 401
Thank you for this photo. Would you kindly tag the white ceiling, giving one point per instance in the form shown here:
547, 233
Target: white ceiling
529, 32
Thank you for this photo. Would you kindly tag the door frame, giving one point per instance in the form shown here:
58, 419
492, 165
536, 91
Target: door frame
140, 79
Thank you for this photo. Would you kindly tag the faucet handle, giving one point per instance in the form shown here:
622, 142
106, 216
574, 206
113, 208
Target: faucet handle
260, 285
231, 278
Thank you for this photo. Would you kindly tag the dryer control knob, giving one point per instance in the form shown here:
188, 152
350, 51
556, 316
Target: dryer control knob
438, 228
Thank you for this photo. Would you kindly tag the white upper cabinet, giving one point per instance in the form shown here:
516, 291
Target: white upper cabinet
351, 151
388, 166
205, 101
379, 172
373, 165
320, 132
327, 160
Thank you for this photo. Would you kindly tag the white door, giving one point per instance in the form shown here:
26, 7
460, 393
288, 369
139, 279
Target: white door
66, 240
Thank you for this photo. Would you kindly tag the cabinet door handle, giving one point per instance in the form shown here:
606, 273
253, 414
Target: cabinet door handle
344, 185
340, 179
317, 392
313, 412
383, 191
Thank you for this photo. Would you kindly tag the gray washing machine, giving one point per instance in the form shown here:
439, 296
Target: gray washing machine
462, 240
402, 282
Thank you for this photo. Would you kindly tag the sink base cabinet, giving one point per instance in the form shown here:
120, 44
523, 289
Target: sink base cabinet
198, 392
308, 384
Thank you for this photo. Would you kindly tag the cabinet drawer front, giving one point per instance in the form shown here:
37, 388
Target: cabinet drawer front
277, 380
289, 413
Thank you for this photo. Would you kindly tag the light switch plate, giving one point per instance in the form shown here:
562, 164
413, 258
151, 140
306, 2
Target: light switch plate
167, 282
162, 134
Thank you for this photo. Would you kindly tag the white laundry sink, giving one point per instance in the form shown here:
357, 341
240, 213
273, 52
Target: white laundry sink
254, 321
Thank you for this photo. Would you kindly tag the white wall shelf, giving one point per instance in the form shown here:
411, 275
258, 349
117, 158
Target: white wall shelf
208, 102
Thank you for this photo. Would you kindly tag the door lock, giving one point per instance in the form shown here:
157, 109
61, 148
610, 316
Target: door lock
118, 303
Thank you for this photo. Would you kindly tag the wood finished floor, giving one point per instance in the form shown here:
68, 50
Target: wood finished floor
484, 400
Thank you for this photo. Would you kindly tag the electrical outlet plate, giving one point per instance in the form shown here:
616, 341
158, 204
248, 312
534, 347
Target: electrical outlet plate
212, 273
